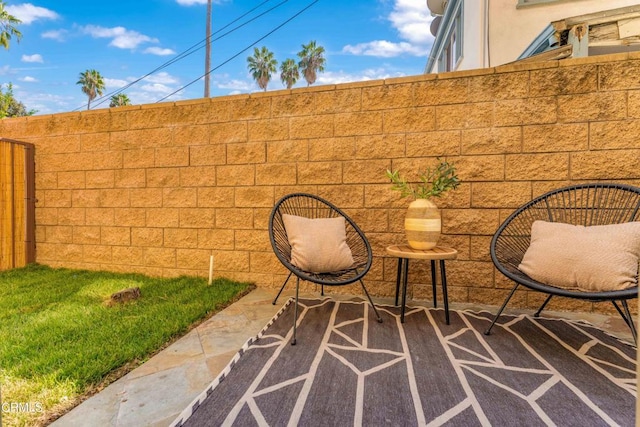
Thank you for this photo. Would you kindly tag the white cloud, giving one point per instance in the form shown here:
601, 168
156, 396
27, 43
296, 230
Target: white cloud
120, 36
384, 49
36, 57
411, 19
115, 83
154, 50
155, 87
46, 103
158, 88
28, 79
329, 77
138, 97
238, 86
162, 78
29, 13
149, 90
6, 70
150, 97
59, 35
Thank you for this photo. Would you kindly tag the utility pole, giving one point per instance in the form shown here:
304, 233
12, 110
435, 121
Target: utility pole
207, 55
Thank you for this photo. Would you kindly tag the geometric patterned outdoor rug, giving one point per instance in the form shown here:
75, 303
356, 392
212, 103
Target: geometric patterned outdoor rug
347, 369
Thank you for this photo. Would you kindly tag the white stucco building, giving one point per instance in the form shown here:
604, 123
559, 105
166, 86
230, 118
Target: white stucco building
472, 34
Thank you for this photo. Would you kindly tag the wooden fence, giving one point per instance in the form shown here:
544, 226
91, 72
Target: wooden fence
17, 204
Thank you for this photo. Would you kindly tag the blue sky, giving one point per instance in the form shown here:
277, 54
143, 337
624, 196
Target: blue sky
126, 40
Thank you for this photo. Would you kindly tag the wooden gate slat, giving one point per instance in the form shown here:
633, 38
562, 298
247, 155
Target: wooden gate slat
17, 246
6, 207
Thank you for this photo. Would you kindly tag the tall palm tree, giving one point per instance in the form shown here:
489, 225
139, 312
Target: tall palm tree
311, 61
8, 27
289, 72
262, 64
92, 85
119, 100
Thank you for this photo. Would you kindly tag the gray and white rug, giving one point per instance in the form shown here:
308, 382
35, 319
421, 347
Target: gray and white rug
348, 369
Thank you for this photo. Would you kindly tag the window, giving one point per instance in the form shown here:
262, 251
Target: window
452, 50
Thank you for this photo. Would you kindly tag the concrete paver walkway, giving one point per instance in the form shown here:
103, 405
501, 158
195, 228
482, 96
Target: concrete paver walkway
155, 393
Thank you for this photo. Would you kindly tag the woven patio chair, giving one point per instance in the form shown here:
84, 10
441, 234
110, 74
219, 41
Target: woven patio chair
582, 204
313, 207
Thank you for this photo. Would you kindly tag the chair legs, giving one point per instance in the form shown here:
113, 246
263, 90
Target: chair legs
375, 310
624, 313
628, 319
504, 304
282, 288
295, 310
295, 313
544, 304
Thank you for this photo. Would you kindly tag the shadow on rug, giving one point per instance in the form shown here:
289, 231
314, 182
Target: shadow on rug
347, 369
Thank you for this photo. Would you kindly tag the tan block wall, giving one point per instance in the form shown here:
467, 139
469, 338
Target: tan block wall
159, 188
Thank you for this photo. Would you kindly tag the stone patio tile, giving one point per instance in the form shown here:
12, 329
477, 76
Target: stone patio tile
217, 363
99, 410
219, 343
153, 397
257, 295
262, 311
176, 354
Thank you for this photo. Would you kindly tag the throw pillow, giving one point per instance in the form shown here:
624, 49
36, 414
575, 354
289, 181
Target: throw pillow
318, 245
592, 259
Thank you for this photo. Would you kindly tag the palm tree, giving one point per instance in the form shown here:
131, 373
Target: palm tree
7, 27
311, 61
92, 85
119, 100
262, 64
289, 73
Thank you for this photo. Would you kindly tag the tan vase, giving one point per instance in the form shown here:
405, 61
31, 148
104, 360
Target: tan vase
423, 224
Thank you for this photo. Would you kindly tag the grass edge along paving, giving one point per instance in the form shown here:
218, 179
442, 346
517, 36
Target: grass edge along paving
61, 341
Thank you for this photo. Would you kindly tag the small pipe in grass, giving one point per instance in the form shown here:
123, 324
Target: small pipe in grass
210, 269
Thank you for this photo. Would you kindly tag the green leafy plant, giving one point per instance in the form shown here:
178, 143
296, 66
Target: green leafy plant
434, 182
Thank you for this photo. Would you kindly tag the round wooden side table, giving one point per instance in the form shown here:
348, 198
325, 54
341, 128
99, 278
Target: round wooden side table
404, 253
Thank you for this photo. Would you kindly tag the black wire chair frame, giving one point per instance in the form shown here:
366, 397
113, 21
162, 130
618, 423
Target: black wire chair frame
311, 206
580, 204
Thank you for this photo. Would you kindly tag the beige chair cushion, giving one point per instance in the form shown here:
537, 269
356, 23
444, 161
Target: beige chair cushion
597, 258
318, 245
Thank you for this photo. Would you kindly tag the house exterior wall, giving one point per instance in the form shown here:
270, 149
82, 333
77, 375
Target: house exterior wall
510, 28
159, 188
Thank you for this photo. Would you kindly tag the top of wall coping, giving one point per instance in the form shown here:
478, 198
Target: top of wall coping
506, 68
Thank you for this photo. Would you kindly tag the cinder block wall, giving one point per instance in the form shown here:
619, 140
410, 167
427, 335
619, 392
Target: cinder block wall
159, 188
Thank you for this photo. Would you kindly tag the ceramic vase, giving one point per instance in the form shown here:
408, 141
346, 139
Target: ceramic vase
422, 224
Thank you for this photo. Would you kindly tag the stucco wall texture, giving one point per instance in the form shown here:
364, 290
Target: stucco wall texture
159, 188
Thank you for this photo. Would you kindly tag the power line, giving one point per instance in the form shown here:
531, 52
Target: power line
199, 45
189, 51
243, 50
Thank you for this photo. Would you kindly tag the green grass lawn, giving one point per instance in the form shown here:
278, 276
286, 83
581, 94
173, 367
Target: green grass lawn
60, 340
